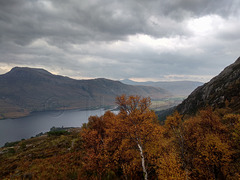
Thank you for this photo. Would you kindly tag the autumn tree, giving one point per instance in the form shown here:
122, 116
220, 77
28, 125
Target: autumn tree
125, 143
96, 160
232, 121
174, 161
137, 126
207, 143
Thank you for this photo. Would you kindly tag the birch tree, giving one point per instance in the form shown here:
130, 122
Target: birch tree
136, 122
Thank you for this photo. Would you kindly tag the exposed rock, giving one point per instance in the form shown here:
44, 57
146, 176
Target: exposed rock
222, 88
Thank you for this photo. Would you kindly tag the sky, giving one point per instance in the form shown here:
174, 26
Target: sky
157, 40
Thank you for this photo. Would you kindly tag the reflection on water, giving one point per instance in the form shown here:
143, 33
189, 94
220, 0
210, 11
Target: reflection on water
26, 127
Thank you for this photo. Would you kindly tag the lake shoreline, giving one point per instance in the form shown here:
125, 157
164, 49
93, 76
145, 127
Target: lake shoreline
25, 127
110, 107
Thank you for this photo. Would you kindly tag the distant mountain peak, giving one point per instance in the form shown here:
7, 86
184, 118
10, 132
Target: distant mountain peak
24, 75
24, 90
177, 88
238, 60
28, 69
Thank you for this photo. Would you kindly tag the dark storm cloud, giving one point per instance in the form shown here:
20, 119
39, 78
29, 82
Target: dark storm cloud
79, 37
80, 21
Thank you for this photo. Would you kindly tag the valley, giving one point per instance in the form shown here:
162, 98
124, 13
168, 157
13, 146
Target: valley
26, 90
119, 90
197, 139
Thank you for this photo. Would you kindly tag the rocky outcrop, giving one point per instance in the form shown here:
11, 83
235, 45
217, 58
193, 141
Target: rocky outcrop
222, 89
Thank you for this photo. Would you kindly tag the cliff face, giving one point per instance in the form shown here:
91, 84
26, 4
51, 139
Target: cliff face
221, 89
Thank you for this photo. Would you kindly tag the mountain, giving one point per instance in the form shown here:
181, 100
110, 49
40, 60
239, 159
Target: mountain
222, 90
177, 88
24, 90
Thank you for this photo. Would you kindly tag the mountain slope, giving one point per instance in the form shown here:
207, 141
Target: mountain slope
24, 90
177, 88
221, 89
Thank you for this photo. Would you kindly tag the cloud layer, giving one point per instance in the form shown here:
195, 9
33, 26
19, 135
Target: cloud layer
154, 39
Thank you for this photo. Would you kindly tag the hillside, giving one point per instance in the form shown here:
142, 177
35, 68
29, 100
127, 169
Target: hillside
24, 90
204, 146
177, 88
222, 90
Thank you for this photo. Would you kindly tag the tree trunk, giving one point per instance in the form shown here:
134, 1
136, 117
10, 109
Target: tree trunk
143, 162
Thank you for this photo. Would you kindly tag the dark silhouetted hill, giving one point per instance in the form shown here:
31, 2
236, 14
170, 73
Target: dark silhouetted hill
24, 90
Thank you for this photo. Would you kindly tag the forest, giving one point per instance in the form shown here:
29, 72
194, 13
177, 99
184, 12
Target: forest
133, 144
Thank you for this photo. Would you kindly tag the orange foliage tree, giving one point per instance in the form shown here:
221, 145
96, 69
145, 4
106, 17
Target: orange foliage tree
138, 126
208, 147
123, 144
173, 162
96, 160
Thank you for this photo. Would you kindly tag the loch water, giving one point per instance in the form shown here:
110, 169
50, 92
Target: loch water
26, 127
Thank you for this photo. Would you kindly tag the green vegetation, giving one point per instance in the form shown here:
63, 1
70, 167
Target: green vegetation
57, 133
10, 144
165, 103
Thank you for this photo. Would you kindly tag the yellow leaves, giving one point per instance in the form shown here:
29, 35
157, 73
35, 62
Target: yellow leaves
236, 133
132, 104
205, 146
115, 142
231, 119
213, 151
169, 167
173, 121
195, 148
207, 142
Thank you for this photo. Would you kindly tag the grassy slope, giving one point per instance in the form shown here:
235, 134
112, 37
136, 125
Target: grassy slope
56, 155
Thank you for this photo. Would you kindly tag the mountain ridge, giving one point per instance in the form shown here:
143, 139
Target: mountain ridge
222, 90
24, 90
177, 88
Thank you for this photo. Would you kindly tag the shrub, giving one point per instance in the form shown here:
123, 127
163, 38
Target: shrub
57, 133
